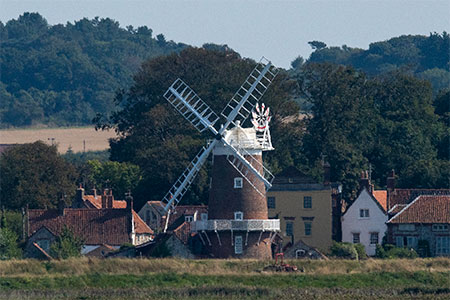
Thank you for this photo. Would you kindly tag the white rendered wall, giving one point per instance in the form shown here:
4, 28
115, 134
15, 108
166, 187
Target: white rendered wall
352, 223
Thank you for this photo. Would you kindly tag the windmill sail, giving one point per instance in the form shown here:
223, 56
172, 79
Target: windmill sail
254, 87
182, 184
190, 106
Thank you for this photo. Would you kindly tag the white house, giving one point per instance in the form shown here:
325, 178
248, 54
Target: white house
364, 222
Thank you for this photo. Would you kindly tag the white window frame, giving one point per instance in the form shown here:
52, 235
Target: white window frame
238, 244
238, 182
439, 227
188, 218
238, 215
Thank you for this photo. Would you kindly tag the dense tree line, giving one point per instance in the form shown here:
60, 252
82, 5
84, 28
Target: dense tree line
428, 57
65, 74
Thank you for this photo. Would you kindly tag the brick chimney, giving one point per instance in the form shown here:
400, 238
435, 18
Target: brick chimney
104, 199
110, 198
79, 197
364, 182
390, 187
94, 192
129, 200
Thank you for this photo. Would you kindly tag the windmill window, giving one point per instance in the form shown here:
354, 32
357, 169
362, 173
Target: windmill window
238, 183
238, 215
289, 229
188, 218
238, 244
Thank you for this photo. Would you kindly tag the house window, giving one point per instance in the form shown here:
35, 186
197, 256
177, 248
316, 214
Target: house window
374, 238
289, 229
188, 218
204, 216
238, 215
238, 244
363, 213
356, 239
308, 228
238, 183
443, 245
399, 241
406, 227
270, 202
307, 202
439, 227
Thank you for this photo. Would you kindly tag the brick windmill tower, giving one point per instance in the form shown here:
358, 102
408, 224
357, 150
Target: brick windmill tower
238, 224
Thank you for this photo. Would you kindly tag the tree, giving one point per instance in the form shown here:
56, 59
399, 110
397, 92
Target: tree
34, 174
317, 45
121, 177
66, 245
8, 245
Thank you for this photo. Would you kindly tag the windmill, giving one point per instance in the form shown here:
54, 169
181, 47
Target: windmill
238, 223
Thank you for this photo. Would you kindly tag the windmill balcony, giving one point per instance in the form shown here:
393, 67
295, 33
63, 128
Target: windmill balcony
236, 225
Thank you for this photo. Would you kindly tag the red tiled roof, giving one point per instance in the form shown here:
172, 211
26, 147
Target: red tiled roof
425, 209
139, 225
381, 197
405, 196
96, 202
183, 232
95, 226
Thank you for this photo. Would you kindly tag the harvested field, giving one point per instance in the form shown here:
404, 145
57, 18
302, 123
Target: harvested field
79, 138
85, 278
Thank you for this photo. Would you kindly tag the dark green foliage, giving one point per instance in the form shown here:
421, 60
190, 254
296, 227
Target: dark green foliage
361, 251
161, 250
65, 74
66, 245
344, 250
423, 248
81, 158
9, 244
161, 142
428, 57
34, 174
120, 177
390, 251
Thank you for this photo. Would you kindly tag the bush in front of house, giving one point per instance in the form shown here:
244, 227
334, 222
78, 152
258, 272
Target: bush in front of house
66, 245
8, 245
344, 250
390, 251
361, 251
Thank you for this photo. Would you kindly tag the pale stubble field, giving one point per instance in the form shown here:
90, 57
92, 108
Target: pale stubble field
79, 138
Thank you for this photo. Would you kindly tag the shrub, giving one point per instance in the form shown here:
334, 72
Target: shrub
66, 245
344, 250
380, 252
401, 253
361, 250
8, 245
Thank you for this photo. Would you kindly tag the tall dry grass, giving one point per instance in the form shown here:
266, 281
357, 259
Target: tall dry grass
82, 266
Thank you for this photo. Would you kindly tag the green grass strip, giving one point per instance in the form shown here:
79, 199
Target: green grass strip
380, 280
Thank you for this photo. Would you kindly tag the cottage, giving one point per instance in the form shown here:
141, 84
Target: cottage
423, 224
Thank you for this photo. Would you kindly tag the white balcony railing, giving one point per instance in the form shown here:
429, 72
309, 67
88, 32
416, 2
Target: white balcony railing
244, 225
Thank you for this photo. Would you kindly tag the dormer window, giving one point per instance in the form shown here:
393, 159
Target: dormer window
238, 183
188, 218
238, 215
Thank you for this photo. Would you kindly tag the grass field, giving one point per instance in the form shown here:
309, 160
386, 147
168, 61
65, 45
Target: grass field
224, 279
79, 138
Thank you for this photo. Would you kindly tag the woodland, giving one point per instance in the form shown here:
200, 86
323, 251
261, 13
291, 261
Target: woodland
386, 108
